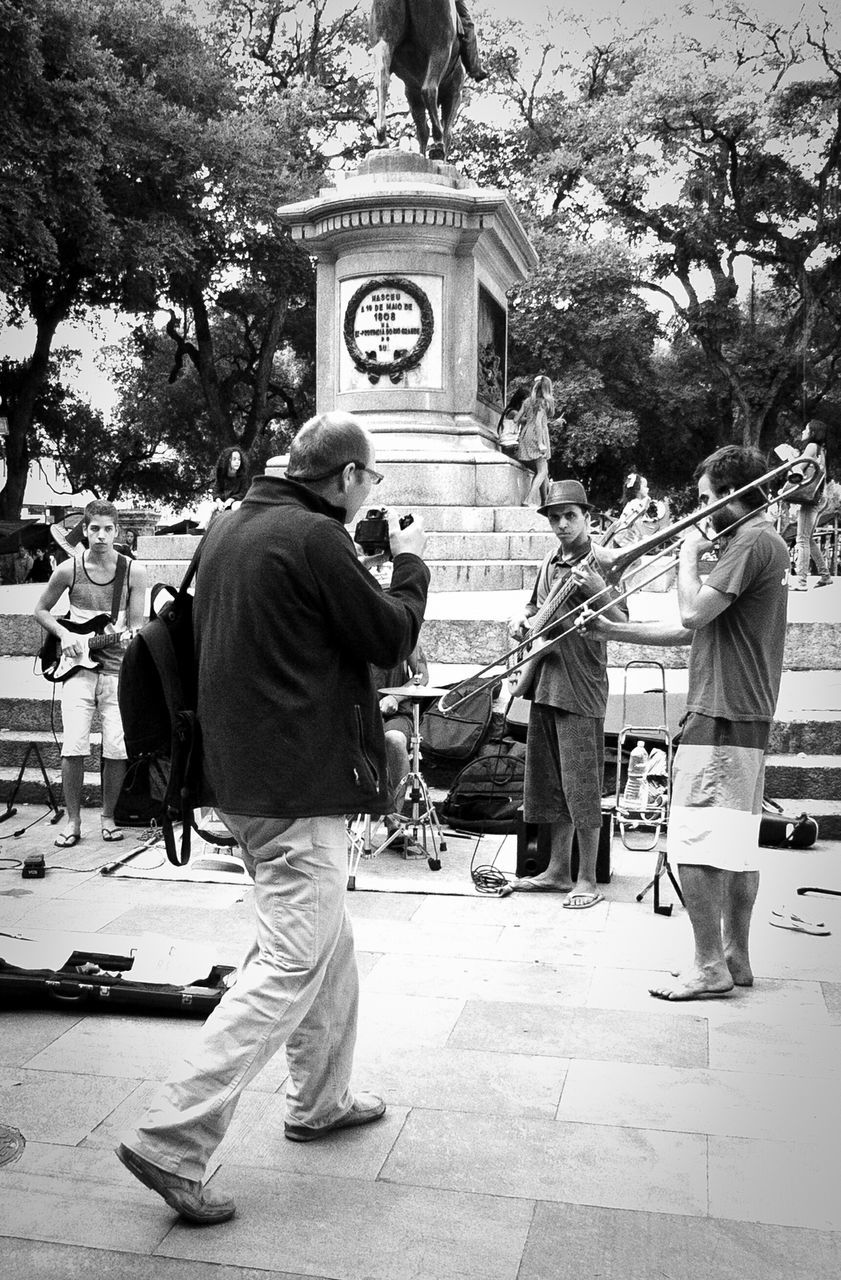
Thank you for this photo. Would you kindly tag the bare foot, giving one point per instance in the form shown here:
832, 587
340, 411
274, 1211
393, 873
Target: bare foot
740, 970
697, 984
539, 884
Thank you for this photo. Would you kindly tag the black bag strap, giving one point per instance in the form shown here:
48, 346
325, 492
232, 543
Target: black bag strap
158, 642
119, 579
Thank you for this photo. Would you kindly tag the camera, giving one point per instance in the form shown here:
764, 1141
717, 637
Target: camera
371, 534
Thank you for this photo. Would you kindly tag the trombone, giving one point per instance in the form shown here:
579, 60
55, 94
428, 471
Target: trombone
613, 564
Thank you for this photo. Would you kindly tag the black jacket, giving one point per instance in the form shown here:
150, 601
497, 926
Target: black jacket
286, 623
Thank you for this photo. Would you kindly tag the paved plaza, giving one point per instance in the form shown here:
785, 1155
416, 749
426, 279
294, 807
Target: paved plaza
546, 1118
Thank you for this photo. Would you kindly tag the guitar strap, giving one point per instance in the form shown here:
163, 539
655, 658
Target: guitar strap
119, 579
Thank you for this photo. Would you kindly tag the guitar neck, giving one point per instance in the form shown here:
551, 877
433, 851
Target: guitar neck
104, 641
557, 598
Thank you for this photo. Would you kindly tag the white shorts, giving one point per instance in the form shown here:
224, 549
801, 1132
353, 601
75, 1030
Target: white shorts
81, 695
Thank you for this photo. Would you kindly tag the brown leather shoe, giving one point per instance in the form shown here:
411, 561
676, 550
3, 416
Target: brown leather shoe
366, 1107
189, 1199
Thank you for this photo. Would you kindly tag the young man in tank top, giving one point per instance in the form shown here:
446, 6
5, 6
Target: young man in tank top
89, 580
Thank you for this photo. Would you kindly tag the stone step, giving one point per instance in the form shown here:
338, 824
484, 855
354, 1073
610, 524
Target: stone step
826, 812
454, 544
14, 743
808, 718
445, 575
803, 777
33, 791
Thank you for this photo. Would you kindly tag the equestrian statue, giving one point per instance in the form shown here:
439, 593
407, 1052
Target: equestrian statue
425, 43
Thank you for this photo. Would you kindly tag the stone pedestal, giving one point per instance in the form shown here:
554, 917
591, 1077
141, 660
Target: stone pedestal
414, 264
142, 521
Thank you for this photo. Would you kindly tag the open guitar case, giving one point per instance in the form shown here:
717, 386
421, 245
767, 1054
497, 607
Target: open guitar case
92, 971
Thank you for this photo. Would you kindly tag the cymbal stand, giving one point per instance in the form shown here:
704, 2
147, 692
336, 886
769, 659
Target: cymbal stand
421, 817
418, 818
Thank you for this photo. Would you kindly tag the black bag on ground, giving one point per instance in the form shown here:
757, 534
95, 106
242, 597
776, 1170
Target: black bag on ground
157, 695
141, 802
458, 735
783, 830
487, 795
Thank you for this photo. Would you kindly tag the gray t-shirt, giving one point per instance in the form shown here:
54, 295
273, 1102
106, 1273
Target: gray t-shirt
736, 661
573, 675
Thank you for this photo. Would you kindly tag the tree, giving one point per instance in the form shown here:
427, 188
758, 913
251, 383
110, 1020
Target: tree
719, 161
136, 172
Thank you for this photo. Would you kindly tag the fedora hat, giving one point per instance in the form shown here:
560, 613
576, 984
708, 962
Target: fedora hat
563, 493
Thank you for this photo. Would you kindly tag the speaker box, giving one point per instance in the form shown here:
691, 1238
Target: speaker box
533, 848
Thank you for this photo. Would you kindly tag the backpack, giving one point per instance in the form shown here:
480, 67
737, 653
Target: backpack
141, 799
157, 694
488, 793
459, 735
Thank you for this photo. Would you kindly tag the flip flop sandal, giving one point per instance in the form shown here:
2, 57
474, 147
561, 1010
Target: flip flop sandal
789, 920
111, 834
68, 840
580, 901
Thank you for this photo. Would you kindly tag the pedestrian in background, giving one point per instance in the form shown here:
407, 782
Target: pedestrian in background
534, 449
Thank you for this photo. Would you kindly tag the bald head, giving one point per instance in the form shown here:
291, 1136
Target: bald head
325, 444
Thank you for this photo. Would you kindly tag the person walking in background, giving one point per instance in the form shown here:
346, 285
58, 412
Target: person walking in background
640, 514
735, 621
41, 567
807, 548
287, 625
23, 565
534, 449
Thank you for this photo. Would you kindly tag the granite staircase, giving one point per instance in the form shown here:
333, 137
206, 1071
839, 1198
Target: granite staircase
483, 561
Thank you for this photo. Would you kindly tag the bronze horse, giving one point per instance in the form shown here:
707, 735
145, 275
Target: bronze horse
418, 41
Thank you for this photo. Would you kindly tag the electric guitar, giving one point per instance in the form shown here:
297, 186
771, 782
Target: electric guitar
521, 680
95, 634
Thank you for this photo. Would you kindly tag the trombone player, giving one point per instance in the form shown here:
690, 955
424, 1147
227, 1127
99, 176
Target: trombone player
735, 622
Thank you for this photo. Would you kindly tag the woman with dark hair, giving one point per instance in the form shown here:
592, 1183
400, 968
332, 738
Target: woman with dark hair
813, 442
232, 478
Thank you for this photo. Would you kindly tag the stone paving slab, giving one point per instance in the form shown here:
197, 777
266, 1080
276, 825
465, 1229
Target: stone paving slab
348, 1230
553, 1160
570, 1242
547, 1117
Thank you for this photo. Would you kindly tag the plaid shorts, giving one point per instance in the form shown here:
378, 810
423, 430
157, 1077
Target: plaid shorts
564, 767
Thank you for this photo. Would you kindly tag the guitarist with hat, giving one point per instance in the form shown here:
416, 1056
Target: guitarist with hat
568, 689
107, 594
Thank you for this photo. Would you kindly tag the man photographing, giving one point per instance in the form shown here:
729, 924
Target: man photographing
287, 622
735, 621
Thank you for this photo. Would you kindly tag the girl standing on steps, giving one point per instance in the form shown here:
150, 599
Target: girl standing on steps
534, 449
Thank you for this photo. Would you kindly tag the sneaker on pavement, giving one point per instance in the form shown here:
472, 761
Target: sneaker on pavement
366, 1107
189, 1199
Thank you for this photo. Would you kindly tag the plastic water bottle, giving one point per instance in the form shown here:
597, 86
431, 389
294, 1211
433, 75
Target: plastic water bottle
635, 795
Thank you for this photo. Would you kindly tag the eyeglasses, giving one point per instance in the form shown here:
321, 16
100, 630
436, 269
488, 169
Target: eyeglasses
376, 476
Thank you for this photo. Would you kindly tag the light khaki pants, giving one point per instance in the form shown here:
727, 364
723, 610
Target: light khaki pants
297, 986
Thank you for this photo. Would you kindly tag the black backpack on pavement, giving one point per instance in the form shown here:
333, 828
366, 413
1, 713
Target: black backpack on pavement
488, 793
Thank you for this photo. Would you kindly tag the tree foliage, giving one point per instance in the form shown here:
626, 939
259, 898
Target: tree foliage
717, 160
139, 171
